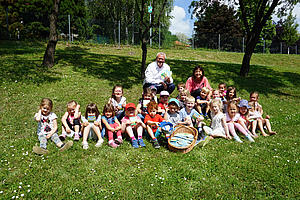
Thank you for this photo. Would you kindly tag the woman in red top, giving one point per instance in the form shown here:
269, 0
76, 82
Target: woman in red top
196, 82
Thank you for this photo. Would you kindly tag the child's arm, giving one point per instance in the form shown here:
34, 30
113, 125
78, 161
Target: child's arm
49, 135
166, 116
160, 110
138, 109
77, 114
85, 122
98, 122
64, 122
202, 101
104, 121
37, 116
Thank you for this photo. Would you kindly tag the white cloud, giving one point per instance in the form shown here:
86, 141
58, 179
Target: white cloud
180, 23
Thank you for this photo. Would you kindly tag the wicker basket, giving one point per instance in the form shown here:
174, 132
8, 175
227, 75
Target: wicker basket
183, 129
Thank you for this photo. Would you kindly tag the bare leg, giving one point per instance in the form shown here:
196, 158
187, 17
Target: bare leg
268, 124
254, 125
97, 131
86, 131
150, 132
139, 130
261, 127
129, 131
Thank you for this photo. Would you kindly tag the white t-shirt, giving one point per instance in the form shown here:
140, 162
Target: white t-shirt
46, 124
216, 122
153, 73
118, 105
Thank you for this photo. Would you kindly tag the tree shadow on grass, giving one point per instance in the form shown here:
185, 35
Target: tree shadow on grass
263, 79
27, 71
116, 69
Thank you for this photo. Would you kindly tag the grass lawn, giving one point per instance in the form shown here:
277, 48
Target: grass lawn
268, 168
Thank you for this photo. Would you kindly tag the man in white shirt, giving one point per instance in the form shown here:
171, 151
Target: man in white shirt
158, 74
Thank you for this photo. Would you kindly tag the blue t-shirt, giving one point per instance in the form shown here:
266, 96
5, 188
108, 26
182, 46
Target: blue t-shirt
110, 120
183, 114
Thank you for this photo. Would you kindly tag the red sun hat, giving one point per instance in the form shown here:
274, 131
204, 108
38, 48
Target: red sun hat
130, 105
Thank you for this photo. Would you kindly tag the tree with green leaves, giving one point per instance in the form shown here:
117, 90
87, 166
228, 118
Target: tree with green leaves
217, 19
262, 11
159, 14
289, 32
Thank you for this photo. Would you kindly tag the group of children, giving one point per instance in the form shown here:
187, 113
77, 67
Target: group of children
227, 113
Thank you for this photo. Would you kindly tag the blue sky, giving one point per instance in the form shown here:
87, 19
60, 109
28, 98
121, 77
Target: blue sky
182, 22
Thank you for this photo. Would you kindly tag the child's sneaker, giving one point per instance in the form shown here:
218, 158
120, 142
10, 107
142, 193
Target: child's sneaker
135, 144
156, 144
99, 143
119, 140
66, 146
141, 142
113, 144
76, 137
85, 145
63, 136
238, 139
39, 150
249, 138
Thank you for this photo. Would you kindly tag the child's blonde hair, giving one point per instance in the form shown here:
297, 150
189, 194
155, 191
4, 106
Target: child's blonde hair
48, 102
190, 98
109, 108
206, 90
216, 101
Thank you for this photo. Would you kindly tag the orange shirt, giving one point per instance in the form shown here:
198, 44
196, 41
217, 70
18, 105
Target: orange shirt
156, 118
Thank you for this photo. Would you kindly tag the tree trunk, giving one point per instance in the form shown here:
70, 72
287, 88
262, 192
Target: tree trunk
144, 57
250, 46
50, 50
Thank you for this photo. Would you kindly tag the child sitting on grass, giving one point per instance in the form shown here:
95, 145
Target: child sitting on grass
112, 125
163, 102
190, 117
256, 112
203, 101
246, 120
141, 108
71, 121
47, 128
222, 90
180, 88
152, 121
91, 126
172, 115
118, 101
218, 124
182, 97
132, 123
233, 122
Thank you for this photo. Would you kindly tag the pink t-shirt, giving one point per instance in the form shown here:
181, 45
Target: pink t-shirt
134, 119
191, 85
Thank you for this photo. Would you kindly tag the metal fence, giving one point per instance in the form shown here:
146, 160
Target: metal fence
74, 29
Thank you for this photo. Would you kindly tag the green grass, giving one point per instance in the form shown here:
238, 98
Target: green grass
268, 168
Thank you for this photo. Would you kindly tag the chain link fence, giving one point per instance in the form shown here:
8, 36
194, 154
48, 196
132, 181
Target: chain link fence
76, 29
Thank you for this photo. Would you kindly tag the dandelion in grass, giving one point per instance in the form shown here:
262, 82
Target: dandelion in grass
28, 190
1, 192
22, 195
13, 197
